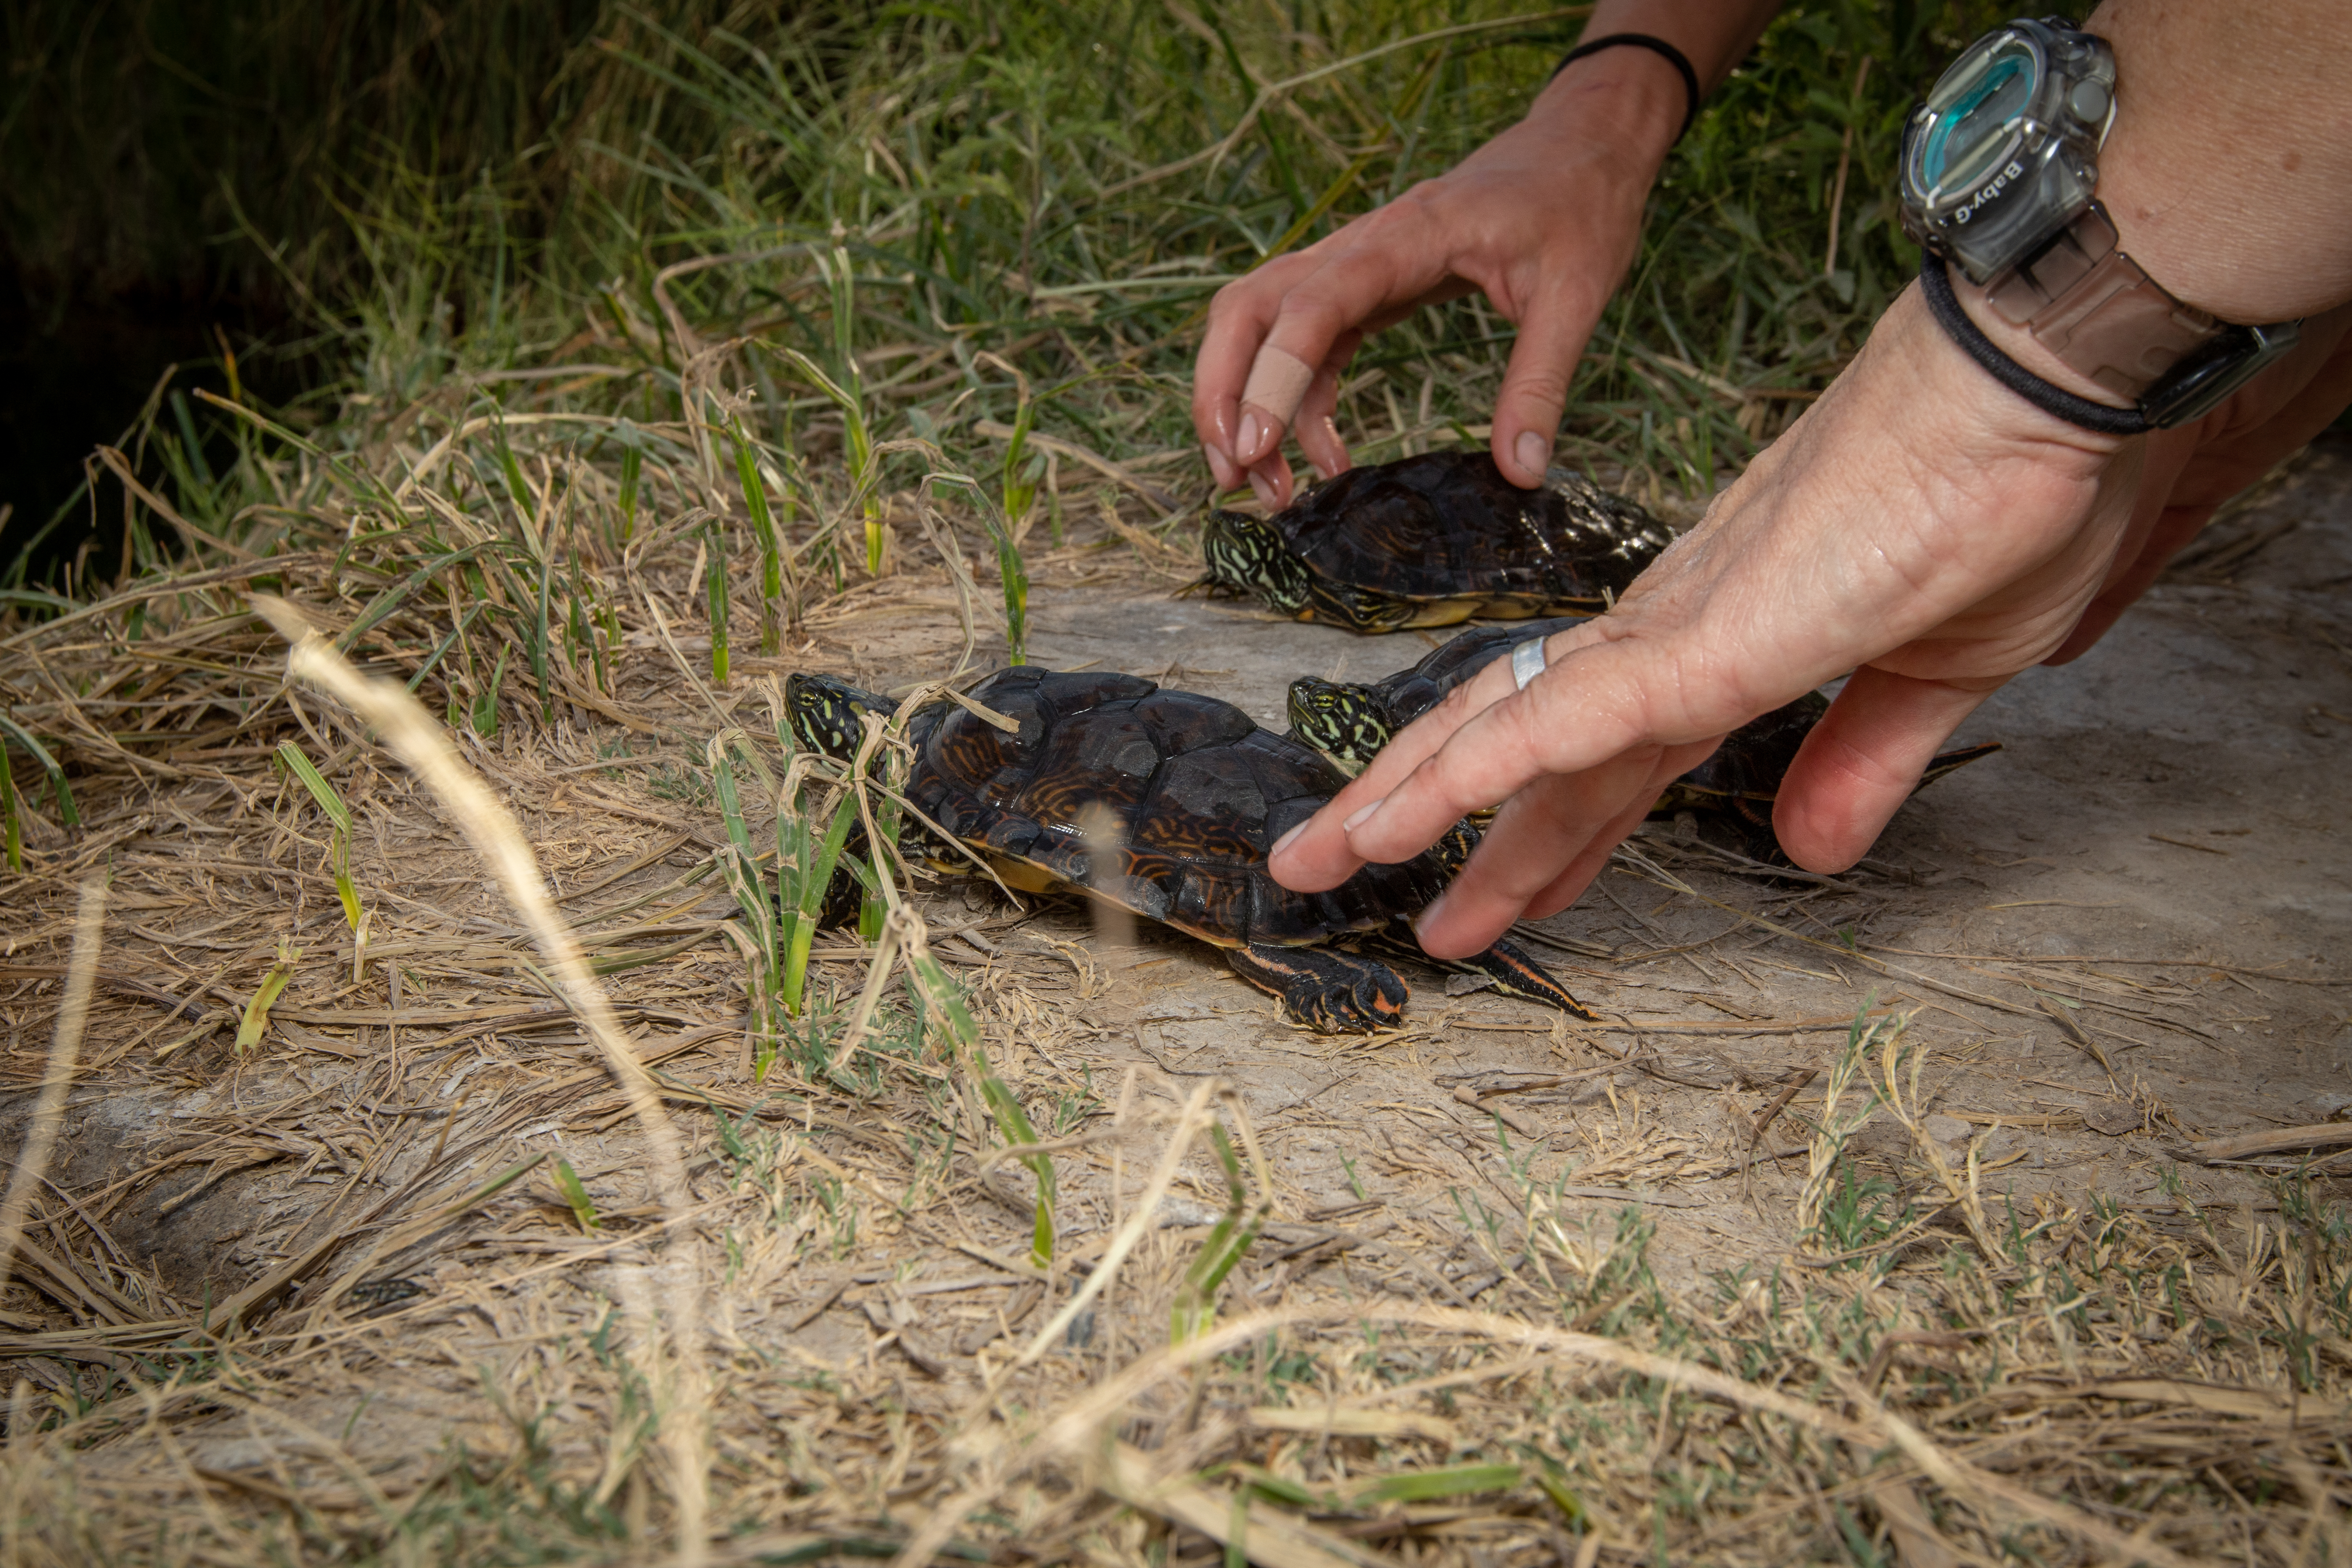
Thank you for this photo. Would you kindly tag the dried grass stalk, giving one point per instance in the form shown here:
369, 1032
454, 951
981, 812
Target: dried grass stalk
65, 1053
497, 838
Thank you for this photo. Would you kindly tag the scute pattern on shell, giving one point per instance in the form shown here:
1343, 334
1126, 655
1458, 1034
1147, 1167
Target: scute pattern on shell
1748, 764
1446, 525
1199, 790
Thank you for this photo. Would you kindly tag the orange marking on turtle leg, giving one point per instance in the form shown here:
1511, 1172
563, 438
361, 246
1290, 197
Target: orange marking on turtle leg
1332, 993
1518, 974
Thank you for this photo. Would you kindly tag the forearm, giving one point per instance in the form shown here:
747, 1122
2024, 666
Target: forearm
2228, 170
1634, 98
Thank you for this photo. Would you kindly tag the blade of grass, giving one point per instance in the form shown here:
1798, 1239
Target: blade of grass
714, 585
255, 1021
763, 529
584, 1211
14, 828
48, 766
339, 817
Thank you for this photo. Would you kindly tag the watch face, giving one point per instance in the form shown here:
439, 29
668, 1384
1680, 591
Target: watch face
1974, 119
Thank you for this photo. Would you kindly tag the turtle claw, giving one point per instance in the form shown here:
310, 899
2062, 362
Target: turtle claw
1332, 993
1948, 762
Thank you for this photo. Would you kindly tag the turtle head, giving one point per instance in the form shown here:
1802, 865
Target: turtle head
823, 713
1250, 555
1346, 723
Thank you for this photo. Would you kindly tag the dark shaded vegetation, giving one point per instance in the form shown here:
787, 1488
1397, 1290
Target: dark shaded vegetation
369, 199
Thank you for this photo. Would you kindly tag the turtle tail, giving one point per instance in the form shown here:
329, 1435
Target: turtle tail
1948, 762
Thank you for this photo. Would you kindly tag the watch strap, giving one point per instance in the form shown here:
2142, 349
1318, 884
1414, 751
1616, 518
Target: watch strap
1935, 287
2090, 304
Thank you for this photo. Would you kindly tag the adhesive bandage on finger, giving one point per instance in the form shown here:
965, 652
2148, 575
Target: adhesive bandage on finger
1527, 661
1278, 381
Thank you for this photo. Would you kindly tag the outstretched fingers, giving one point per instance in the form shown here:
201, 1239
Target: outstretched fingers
1586, 710
1549, 841
1316, 426
1535, 386
1278, 336
1863, 760
1478, 748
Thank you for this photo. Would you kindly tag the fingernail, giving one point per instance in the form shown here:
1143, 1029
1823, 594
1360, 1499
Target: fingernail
1363, 816
1266, 495
1284, 842
1532, 450
1245, 444
1221, 466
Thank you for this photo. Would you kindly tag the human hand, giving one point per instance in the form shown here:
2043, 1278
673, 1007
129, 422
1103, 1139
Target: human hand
1920, 525
1543, 219
2193, 469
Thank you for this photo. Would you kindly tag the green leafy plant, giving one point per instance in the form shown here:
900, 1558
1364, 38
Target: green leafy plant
944, 996
766, 533
482, 715
255, 1022
339, 819
1228, 1240
1014, 1123
714, 583
808, 848
632, 463
13, 830
59, 789
1451, 1481
575, 1194
844, 385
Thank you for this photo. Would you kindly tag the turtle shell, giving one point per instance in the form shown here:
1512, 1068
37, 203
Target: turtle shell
1197, 792
1410, 693
1752, 759
1448, 525
1748, 764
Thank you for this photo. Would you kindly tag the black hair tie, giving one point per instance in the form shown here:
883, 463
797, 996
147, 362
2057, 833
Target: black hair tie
1659, 47
1935, 286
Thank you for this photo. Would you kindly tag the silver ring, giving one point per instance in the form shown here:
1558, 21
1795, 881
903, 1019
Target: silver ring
1527, 661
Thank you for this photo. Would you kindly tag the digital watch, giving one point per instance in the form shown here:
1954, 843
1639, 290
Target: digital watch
1998, 167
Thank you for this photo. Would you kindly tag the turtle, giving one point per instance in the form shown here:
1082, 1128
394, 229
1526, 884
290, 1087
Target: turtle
1348, 723
1433, 539
1198, 793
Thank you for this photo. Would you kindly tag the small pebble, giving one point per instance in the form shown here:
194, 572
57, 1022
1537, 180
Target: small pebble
1947, 1129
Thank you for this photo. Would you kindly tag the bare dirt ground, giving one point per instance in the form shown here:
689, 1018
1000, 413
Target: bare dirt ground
2119, 933
2157, 858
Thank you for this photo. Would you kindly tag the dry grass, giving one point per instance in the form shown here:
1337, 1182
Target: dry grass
416, 1279
464, 1318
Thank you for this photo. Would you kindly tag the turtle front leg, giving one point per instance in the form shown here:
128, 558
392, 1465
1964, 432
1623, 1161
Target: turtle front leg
1332, 993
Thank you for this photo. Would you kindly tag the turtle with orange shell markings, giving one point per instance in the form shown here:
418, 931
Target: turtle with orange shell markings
1199, 794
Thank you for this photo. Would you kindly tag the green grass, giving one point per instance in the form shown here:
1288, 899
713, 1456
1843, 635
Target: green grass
793, 267
795, 273
1016, 202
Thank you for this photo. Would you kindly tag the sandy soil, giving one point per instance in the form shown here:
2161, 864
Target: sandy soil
2157, 856
2121, 931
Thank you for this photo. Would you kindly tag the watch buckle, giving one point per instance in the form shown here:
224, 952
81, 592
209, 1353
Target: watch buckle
2233, 358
